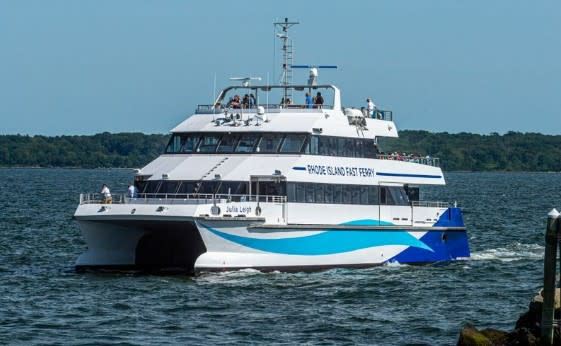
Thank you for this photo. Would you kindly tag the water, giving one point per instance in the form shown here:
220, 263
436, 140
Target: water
43, 301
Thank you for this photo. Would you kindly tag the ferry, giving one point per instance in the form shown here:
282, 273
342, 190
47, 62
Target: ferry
263, 178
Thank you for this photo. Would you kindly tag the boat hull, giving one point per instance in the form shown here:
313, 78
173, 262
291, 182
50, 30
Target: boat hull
216, 244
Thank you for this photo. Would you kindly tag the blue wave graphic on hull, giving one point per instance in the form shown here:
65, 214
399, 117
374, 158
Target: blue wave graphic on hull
326, 243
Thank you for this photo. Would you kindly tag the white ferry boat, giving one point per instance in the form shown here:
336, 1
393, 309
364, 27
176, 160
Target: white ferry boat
274, 186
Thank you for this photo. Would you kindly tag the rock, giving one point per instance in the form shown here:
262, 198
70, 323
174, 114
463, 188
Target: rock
470, 336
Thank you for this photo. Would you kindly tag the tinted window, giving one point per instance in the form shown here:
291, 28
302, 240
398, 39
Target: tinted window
373, 195
152, 186
301, 193
293, 143
190, 143
355, 194
310, 193
314, 145
208, 187
337, 194
246, 144
168, 187
174, 144
208, 144
347, 194
187, 187
227, 144
270, 143
319, 193
329, 189
291, 193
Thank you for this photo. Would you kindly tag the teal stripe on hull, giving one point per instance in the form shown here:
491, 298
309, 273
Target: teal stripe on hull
327, 242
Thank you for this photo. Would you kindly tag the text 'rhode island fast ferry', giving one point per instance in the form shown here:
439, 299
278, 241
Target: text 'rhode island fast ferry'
249, 183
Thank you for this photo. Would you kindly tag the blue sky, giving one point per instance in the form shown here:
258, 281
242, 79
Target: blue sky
83, 67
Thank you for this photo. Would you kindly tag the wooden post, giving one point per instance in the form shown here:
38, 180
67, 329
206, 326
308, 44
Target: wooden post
552, 238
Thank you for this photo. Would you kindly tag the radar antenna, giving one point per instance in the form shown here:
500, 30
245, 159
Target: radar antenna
245, 80
313, 79
287, 50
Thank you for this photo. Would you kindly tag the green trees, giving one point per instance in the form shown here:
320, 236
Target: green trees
513, 151
100, 150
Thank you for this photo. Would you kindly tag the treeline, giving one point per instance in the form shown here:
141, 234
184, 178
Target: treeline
100, 150
512, 151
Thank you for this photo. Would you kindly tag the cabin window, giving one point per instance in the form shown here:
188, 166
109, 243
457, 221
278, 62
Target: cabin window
292, 144
373, 195
328, 189
399, 197
208, 144
270, 143
187, 187
227, 144
247, 143
208, 187
300, 193
168, 187
190, 143
152, 186
174, 144
319, 193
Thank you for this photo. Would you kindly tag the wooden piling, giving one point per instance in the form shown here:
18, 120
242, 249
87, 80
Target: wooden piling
552, 242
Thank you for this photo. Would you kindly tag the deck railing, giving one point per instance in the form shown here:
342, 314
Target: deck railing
430, 161
208, 109
178, 198
430, 204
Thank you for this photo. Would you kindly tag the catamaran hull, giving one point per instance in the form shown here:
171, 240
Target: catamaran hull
216, 244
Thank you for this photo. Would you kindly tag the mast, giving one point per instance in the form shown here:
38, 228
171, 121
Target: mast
287, 50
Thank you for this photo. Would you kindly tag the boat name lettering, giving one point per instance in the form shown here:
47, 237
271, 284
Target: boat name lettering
244, 209
340, 170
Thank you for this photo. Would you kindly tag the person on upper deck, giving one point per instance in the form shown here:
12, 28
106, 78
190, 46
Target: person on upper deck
106, 195
235, 102
309, 101
246, 101
132, 191
370, 107
318, 100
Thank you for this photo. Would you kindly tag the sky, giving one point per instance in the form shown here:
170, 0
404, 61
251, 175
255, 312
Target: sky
83, 67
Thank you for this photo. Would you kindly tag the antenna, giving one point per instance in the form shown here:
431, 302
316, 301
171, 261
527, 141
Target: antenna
287, 50
313, 80
245, 80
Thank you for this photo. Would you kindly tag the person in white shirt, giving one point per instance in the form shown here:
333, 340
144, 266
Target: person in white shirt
107, 199
132, 191
371, 107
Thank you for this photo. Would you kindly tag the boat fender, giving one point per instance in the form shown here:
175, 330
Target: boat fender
215, 210
258, 211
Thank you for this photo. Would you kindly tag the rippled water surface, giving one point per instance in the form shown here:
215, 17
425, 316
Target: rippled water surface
43, 301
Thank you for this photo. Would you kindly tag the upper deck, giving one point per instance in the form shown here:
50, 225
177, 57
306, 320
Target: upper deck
275, 108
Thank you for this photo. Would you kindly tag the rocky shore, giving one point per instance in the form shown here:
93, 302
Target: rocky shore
526, 332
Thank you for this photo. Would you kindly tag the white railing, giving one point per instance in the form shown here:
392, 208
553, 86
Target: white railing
429, 161
430, 204
178, 198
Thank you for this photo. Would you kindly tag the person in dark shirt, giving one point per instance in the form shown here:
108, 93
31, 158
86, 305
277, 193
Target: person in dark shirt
318, 100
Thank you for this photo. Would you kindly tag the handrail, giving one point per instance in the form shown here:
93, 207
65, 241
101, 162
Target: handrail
429, 161
179, 198
208, 109
430, 204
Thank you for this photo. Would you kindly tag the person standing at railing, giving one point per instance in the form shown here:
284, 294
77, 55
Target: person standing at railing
309, 101
318, 100
106, 194
370, 107
132, 191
